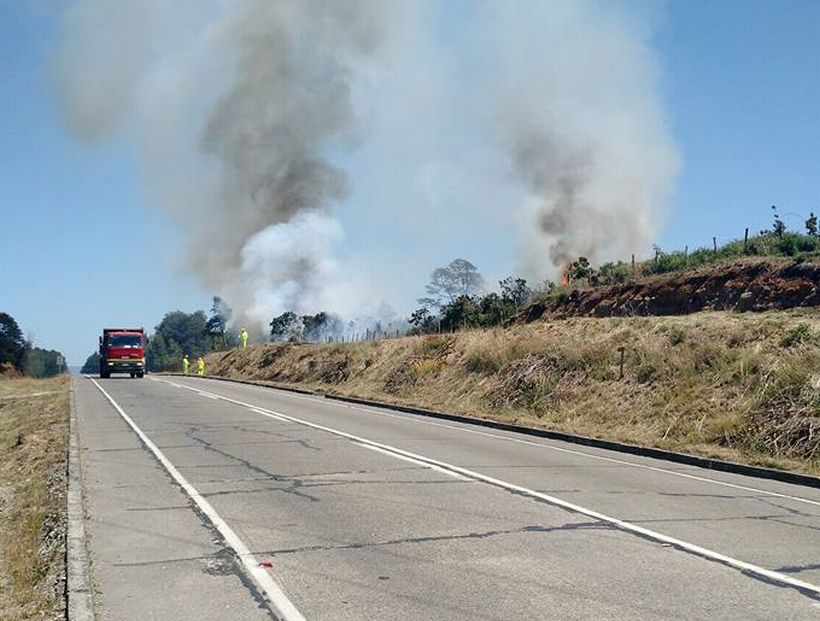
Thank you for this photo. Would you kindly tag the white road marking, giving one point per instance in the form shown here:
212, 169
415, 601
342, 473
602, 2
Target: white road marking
423, 464
268, 414
262, 578
427, 421
697, 550
684, 475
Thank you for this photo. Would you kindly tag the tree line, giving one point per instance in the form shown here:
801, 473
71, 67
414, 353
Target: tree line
19, 356
457, 297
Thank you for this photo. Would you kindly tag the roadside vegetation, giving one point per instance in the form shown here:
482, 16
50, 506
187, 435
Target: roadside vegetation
19, 356
742, 387
458, 297
33, 449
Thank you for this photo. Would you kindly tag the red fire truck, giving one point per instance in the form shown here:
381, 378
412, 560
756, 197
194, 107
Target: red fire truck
122, 350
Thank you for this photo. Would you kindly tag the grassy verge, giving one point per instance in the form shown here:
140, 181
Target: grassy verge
733, 386
33, 451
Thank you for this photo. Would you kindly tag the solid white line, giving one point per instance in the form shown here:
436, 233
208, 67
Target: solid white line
411, 418
262, 578
423, 464
750, 568
427, 421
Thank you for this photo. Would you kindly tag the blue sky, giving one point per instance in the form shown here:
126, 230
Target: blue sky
82, 248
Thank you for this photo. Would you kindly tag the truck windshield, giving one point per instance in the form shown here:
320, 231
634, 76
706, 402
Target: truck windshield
125, 340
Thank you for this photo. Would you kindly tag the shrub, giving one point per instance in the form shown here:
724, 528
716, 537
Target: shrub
433, 347
676, 335
482, 363
798, 335
646, 372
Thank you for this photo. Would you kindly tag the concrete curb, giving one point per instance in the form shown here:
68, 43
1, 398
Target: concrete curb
707, 463
79, 604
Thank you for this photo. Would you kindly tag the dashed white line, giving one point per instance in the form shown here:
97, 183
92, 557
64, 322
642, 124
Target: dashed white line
749, 568
260, 576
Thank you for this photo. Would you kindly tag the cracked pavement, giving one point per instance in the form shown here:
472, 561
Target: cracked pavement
356, 534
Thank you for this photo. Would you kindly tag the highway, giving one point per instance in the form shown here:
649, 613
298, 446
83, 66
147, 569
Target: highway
213, 500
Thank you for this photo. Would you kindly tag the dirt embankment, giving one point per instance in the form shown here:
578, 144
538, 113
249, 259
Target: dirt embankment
744, 387
33, 453
743, 286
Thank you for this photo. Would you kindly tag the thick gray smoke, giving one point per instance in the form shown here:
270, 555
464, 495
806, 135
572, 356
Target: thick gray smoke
246, 114
583, 124
236, 112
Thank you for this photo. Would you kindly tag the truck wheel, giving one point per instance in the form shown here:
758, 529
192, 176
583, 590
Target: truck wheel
140, 374
132, 374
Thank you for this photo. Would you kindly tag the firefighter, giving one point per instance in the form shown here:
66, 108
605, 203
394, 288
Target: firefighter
185, 364
243, 338
200, 366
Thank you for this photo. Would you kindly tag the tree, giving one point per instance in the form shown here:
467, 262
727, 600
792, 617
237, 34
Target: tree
493, 310
286, 327
460, 313
218, 323
515, 291
321, 326
581, 269
811, 225
187, 331
778, 226
178, 333
460, 278
422, 321
92, 363
43, 362
12, 343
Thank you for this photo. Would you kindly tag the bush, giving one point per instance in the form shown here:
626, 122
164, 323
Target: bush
482, 363
646, 372
435, 346
676, 335
613, 273
798, 335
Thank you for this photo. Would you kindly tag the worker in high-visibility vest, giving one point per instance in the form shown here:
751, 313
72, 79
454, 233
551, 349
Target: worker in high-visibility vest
243, 338
185, 364
200, 366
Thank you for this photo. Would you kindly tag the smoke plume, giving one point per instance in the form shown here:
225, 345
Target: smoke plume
583, 126
248, 114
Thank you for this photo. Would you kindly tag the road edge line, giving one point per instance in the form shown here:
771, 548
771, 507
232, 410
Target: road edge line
79, 593
275, 594
750, 569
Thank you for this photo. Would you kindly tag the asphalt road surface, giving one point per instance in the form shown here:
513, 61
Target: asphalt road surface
213, 500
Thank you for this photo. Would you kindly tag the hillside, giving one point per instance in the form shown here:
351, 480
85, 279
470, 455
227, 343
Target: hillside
744, 387
747, 285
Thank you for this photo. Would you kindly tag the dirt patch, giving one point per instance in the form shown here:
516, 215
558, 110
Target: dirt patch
743, 286
33, 453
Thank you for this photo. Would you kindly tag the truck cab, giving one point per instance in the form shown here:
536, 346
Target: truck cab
122, 350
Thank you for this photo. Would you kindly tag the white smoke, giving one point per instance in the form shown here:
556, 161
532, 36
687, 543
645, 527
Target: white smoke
296, 255
246, 111
582, 120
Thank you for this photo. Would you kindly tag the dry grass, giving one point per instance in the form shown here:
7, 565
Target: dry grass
33, 449
744, 387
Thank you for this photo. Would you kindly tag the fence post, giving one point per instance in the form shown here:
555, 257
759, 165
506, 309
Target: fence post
622, 351
714, 244
746, 241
